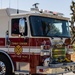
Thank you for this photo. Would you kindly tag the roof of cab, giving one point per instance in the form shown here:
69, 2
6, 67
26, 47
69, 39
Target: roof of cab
13, 12
9, 11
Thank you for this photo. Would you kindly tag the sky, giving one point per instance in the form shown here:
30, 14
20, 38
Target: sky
62, 6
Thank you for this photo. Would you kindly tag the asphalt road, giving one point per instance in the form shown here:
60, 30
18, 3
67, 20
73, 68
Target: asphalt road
68, 73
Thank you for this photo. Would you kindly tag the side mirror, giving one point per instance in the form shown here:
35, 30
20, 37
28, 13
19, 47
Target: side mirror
7, 38
22, 25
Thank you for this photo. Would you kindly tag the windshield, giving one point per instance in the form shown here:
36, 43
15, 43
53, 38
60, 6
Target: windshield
49, 27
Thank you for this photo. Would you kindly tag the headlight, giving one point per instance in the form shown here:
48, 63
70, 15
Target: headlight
45, 47
45, 52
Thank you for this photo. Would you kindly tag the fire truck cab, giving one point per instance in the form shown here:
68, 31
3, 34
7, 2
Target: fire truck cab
34, 42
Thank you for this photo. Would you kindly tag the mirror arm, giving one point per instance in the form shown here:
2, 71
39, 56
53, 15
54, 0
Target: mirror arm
26, 39
7, 38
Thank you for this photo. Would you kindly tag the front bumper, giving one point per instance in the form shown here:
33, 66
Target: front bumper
56, 69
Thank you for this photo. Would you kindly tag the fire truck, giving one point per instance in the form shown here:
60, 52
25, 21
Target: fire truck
34, 42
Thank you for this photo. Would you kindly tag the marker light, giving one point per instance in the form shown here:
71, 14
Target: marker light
45, 47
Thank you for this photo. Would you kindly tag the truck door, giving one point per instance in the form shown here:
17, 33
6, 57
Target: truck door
19, 43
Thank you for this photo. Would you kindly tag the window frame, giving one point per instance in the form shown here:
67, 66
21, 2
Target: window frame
18, 33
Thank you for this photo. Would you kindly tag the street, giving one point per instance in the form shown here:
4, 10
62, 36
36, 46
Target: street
68, 73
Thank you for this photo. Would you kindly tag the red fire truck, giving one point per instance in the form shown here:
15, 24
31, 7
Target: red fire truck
34, 42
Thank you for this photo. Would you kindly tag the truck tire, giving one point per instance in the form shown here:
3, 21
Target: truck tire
5, 65
74, 72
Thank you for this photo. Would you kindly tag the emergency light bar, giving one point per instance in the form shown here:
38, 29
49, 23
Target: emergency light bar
46, 12
54, 13
36, 9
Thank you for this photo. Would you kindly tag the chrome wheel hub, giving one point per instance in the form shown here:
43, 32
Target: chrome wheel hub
2, 68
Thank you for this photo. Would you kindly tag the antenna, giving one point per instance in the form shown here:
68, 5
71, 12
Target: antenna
17, 6
1, 3
35, 5
9, 3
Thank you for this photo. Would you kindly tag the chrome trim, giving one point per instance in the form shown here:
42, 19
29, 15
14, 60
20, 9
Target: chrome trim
22, 72
2, 68
5, 53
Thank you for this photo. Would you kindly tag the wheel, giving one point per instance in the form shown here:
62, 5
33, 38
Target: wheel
74, 72
5, 65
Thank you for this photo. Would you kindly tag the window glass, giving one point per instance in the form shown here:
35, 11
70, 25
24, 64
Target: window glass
49, 27
15, 26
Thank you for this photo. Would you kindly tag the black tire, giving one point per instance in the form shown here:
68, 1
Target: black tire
74, 72
7, 64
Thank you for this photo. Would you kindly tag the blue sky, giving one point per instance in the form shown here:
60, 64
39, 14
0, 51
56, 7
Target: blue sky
62, 6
